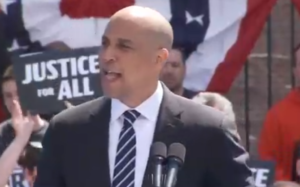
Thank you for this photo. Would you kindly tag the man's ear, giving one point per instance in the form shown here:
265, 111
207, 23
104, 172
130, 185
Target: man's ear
163, 55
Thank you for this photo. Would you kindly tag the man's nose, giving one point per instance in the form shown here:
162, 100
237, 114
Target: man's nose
168, 69
107, 55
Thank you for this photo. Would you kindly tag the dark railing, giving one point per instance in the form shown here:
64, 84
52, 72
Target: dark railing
269, 63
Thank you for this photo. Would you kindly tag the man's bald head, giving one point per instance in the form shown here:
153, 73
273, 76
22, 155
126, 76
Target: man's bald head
157, 27
135, 47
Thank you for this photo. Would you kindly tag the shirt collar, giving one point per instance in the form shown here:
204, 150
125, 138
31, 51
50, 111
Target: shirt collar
149, 108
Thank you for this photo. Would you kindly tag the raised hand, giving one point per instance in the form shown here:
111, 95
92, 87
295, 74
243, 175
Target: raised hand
22, 125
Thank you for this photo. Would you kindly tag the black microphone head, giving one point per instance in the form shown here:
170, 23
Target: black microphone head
159, 149
177, 150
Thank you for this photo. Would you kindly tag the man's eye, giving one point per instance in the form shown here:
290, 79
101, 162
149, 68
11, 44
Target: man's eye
8, 95
124, 46
104, 44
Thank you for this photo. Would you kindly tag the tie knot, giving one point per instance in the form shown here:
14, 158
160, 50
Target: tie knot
131, 115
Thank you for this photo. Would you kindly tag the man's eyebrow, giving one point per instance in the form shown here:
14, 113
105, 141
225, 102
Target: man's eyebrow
120, 40
125, 41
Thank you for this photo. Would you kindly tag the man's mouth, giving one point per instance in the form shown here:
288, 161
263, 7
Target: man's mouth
168, 79
111, 75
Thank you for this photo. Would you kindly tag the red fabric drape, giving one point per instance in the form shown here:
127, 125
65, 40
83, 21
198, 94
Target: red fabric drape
297, 4
250, 30
92, 8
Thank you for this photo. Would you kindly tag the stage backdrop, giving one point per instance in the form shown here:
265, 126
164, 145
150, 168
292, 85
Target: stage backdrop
218, 34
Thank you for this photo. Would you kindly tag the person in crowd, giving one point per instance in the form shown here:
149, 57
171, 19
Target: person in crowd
10, 97
57, 46
23, 128
107, 141
21, 150
285, 184
173, 73
220, 103
29, 161
216, 101
281, 130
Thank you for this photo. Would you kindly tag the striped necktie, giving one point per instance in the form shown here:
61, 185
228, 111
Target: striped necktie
126, 152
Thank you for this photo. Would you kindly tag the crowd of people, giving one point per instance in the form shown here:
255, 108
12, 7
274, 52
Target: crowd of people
21, 135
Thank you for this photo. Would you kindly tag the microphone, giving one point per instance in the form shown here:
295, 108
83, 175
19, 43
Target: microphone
175, 160
158, 155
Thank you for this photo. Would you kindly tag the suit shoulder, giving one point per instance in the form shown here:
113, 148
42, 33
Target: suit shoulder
206, 118
77, 113
195, 113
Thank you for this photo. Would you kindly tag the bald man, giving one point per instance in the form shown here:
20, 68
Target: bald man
106, 142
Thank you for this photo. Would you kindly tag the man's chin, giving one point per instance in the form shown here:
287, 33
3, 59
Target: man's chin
171, 87
168, 84
111, 93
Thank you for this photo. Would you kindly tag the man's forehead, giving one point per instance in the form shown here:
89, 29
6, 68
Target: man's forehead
176, 52
130, 36
123, 31
117, 39
176, 55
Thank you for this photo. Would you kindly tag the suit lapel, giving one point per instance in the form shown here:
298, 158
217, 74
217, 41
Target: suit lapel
167, 123
100, 119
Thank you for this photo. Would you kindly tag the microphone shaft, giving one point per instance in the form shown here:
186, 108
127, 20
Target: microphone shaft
158, 175
172, 175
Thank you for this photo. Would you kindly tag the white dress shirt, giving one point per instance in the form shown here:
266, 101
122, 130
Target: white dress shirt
144, 127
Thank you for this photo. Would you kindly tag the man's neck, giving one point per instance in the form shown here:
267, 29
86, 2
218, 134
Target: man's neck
179, 91
134, 100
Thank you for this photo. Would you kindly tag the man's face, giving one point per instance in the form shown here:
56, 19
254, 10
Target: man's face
174, 70
128, 61
10, 93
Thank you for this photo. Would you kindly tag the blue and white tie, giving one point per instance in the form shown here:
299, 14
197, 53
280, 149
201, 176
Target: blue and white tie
126, 152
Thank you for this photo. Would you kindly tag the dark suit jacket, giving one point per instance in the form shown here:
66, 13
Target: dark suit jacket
76, 146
